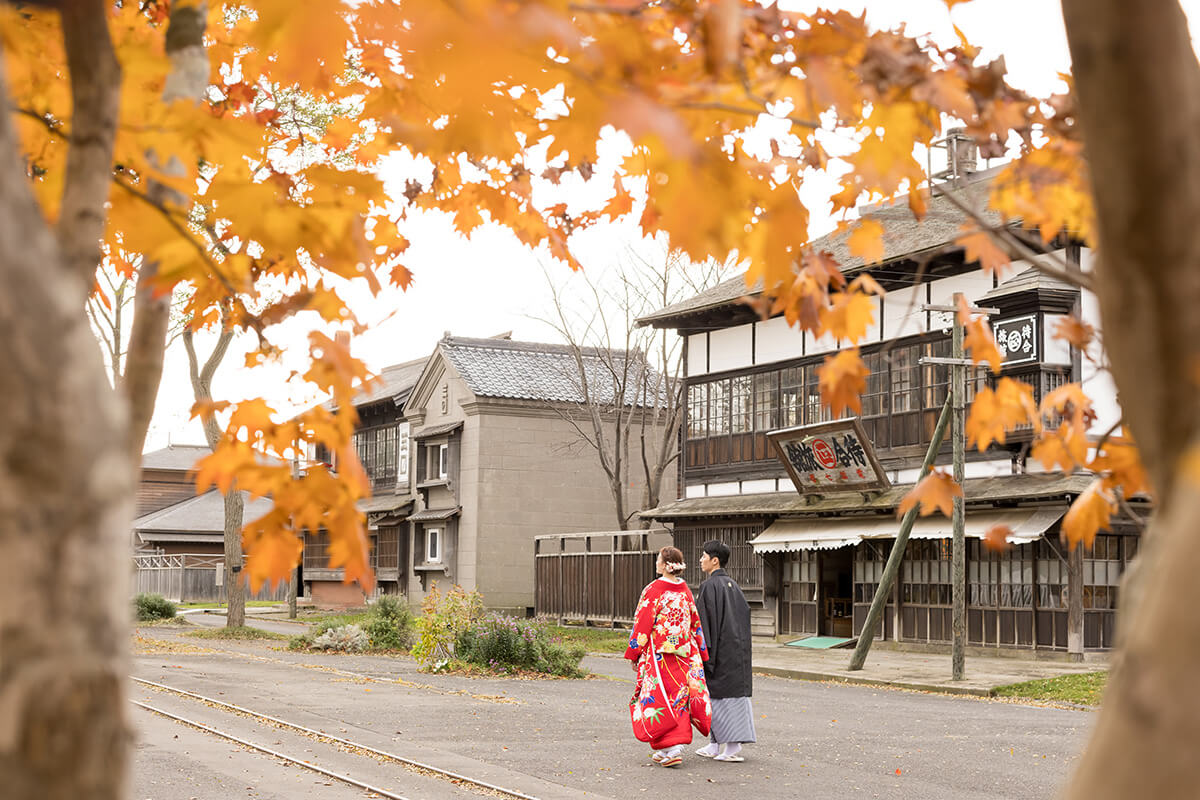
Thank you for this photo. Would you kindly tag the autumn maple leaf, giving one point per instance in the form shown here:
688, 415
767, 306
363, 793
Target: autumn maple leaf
848, 316
866, 241
981, 247
1075, 331
995, 412
842, 379
1090, 512
1120, 464
935, 492
978, 340
995, 538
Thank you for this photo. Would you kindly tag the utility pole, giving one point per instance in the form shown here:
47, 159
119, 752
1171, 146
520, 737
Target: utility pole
292, 587
959, 364
892, 568
958, 552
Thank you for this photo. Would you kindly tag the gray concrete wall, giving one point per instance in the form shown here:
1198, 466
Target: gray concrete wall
534, 478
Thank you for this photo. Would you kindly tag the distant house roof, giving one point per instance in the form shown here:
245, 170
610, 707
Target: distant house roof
393, 383
903, 236
537, 371
178, 457
199, 515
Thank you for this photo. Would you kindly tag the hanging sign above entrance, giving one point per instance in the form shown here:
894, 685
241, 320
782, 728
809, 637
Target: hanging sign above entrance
829, 457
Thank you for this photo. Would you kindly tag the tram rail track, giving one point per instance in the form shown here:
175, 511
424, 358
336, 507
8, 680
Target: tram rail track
320, 736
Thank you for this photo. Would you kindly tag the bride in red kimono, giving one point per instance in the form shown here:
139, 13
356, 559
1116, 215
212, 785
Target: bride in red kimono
667, 648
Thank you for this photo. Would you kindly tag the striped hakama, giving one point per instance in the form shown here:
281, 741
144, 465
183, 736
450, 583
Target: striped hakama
732, 720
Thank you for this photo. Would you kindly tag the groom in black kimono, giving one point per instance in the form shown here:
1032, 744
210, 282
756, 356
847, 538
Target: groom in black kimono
725, 617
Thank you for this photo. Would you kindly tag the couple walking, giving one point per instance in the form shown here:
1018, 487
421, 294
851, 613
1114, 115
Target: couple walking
692, 661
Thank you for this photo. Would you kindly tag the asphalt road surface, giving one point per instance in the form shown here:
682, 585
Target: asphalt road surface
569, 738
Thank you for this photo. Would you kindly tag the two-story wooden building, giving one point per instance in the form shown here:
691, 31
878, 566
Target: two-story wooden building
811, 564
381, 440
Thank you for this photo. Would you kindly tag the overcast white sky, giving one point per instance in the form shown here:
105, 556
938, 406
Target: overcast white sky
490, 284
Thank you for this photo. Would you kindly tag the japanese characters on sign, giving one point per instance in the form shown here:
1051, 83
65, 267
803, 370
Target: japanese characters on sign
1016, 339
829, 457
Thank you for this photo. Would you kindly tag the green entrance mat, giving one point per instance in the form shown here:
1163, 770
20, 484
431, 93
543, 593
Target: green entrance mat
821, 642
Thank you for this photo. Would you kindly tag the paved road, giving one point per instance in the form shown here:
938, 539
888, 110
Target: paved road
571, 737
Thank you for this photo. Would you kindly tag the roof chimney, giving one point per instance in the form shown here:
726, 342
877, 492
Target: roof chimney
962, 156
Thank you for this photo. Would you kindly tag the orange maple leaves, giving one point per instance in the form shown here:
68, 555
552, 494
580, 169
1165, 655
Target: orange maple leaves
935, 492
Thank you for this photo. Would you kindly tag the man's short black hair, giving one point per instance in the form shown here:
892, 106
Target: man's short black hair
717, 550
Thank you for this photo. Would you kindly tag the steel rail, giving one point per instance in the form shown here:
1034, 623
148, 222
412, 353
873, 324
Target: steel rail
322, 735
273, 753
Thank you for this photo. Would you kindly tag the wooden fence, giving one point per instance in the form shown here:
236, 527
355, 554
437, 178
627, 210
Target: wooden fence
594, 578
188, 578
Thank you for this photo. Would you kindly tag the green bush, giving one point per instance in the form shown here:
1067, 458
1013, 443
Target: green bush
149, 607
505, 644
390, 624
443, 619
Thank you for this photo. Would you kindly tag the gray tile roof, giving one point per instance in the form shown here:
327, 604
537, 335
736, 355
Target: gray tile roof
903, 237
176, 457
536, 371
976, 490
1026, 280
395, 382
202, 514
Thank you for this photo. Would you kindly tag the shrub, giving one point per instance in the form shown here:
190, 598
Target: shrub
152, 606
345, 638
443, 619
504, 643
390, 625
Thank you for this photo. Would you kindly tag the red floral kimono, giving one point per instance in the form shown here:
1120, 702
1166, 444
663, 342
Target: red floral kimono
668, 628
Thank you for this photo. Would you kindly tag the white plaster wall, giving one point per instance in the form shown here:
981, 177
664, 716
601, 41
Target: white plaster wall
902, 314
697, 361
987, 469
973, 285
722, 489
1057, 351
730, 348
1094, 378
872, 334
758, 487
775, 340
694, 490
814, 345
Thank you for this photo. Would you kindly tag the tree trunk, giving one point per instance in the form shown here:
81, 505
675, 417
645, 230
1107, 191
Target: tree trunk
235, 582
66, 503
1138, 85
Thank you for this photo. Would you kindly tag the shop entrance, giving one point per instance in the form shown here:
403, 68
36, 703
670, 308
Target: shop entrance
836, 593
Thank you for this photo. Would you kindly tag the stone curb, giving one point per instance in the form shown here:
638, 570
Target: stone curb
805, 675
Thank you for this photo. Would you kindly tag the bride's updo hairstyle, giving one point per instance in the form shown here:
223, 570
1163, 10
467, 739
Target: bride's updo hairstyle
672, 561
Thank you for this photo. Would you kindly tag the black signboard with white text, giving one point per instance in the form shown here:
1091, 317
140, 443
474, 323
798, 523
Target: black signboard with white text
829, 457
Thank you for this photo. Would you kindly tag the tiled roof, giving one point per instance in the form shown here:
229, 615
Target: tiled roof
394, 383
178, 457
903, 236
1026, 280
976, 490
537, 371
202, 514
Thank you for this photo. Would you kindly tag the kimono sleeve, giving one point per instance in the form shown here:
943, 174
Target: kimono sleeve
642, 626
698, 630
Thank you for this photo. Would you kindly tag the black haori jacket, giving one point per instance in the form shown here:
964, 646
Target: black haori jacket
725, 617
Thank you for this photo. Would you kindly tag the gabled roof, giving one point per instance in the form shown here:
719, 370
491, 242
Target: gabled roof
393, 383
1028, 280
202, 514
177, 457
503, 368
903, 237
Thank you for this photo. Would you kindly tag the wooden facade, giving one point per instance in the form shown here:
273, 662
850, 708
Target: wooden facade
748, 377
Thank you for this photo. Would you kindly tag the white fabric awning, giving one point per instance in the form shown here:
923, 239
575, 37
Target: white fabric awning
788, 535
